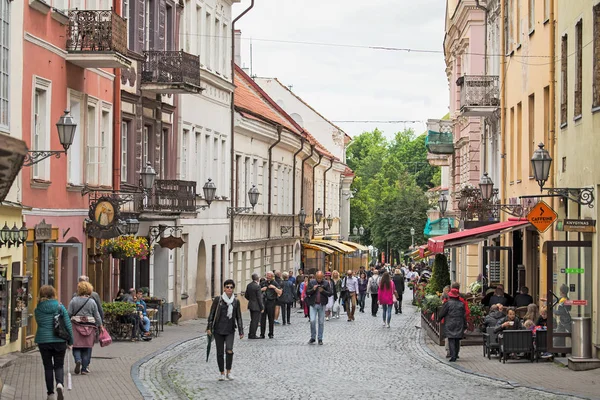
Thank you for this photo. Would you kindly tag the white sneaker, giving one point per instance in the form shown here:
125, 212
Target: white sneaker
51, 397
59, 392
388, 325
326, 318
229, 377
221, 377
384, 325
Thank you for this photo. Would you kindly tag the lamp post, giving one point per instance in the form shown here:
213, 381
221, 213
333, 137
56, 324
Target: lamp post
209, 189
66, 128
443, 204
412, 234
253, 194
540, 163
147, 178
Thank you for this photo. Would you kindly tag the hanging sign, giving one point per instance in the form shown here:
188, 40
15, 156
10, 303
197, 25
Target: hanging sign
576, 302
542, 216
43, 231
579, 225
104, 217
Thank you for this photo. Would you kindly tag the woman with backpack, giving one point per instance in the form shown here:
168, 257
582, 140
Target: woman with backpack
372, 290
52, 347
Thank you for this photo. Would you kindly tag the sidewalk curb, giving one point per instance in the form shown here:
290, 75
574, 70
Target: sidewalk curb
135, 368
514, 384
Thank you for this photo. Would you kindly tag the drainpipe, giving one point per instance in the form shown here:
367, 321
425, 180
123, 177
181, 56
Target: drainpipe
270, 202
313, 197
312, 150
552, 91
485, 70
231, 150
294, 185
116, 175
325, 194
503, 103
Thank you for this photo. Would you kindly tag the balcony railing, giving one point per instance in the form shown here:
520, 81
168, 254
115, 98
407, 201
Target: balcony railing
479, 95
171, 72
171, 196
439, 138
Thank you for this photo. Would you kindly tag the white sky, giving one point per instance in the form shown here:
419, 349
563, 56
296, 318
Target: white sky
349, 83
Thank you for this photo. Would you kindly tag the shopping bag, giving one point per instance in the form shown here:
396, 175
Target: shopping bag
336, 307
69, 381
104, 338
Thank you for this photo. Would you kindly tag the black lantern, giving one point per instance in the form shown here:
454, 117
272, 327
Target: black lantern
209, 189
23, 233
443, 204
540, 163
253, 194
361, 230
302, 216
318, 215
5, 234
132, 226
148, 176
66, 130
486, 185
14, 234
355, 231
329, 221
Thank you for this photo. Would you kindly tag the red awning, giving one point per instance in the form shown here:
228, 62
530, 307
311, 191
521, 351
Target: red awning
438, 243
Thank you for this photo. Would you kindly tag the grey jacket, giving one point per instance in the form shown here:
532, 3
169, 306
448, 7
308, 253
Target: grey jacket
88, 310
98, 302
455, 318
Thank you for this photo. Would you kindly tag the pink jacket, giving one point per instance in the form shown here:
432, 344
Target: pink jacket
386, 296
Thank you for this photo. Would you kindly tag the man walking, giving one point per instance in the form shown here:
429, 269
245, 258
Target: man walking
317, 293
255, 305
272, 290
372, 290
352, 287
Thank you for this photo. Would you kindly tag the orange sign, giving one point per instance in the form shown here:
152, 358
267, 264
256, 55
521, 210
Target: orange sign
542, 216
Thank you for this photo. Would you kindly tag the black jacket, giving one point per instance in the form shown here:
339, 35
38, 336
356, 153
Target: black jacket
287, 297
455, 318
399, 283
523, 300
254, 296
213, 317
311, 292
516, 327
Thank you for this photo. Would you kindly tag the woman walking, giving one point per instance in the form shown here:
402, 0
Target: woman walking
385, 296
455, 322
52, 348
330, 299
287, 298
337, 288
224, 318
86, 320
362, 291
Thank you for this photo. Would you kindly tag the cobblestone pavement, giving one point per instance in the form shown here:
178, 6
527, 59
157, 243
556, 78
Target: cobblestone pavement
373, 361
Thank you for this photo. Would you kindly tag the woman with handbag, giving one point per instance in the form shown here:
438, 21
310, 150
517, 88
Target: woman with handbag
85, 319
225, 316
53, 336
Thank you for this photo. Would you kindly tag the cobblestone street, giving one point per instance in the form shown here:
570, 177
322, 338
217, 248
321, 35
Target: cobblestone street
373, 360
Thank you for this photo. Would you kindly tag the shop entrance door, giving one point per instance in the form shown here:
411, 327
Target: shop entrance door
61, 267
493, 260
569, 288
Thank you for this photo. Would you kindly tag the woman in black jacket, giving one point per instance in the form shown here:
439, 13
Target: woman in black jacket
455, 322
225, 316
287, 298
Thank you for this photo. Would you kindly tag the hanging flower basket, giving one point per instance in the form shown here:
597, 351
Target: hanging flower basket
124, 247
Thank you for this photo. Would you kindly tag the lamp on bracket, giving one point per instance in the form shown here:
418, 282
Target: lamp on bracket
66, 128
253, 195
209, 189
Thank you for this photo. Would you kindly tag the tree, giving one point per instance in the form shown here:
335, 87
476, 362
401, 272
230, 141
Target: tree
440, 276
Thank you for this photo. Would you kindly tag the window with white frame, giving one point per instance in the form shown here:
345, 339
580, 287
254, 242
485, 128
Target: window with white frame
164, 147
207, 40
197, 158
247, 186
184, 153
216, 43
147, 15
4, 63
216, 165
75, 157
92, 161
531, 15
224, 180
130, 25
124, 141
198, 31
105, 148
225, 51
145, 146
546, 10
206, 156
98, 144
40, 132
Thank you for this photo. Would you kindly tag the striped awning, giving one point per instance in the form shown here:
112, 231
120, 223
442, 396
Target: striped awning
355, 245
334, 245
317, 248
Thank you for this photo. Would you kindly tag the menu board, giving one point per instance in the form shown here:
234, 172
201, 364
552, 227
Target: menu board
494, 271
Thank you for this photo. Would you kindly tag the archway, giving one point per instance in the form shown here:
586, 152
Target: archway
201, 282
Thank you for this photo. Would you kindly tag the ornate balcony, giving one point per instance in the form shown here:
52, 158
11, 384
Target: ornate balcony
439, 138
171, 197
97, 39
479, 95
166, 72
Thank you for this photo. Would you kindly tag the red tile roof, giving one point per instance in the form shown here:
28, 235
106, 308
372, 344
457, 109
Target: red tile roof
348, 171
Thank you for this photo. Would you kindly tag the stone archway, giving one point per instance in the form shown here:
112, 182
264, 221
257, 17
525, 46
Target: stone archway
201, 283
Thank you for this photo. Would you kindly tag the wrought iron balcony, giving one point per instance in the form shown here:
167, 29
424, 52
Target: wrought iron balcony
167, 72
97, 39
170, 196
479, 95
439, 138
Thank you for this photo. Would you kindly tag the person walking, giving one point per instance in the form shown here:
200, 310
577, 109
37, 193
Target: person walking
372, 291
303, 287
318, 293
351, 283
224, 318
52, 348
385, 297
399, 284
455, 322
362, 291
272, 291
286, 299
278, 303
86, 320
336, 286
255, 305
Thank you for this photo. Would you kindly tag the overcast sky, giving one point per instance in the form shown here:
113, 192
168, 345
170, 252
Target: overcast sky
349, 83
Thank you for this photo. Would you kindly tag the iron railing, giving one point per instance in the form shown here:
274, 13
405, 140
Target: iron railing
433, 327
96, 31
171, 196
171, 67
479, 91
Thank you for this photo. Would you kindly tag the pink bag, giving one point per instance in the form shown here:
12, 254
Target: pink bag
104, 338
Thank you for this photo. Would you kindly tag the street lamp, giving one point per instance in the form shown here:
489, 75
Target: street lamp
540, 163
443, 204
412, 234
132, 225
318, 216
66, 127
147, 177
486, 185
209, 189
302, 217
253, 194
329, 221
13, 237
361, 230
355, 231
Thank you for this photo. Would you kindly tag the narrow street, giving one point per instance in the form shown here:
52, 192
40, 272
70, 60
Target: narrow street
375, 362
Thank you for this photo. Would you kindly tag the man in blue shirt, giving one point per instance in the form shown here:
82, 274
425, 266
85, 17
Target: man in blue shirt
141, 307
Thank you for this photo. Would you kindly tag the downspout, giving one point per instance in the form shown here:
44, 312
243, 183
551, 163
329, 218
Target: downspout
116, 175
325, 194
313, 197
270, 202
231, 150
312, 150
552, 91
485, 71
294, 185
503, 102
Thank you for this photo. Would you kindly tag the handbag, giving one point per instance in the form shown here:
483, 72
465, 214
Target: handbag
104, 338
60, 328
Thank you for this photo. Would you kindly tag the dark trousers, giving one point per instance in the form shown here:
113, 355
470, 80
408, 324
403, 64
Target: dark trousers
254, 318
398, 304
454, 345
224, 345
269, 312
374, 305
286, 311
53, 358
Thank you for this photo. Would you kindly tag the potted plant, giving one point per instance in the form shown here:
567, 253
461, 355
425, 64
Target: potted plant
123, 247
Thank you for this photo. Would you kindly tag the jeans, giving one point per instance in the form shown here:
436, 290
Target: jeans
286, 311
361, 301
454, 345
227, 341
374, 305
317, 311
53, 358
146, 323
82, 355
269, 312
387, 313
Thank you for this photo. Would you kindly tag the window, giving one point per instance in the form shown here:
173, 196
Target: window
531, 15
92, 164
145, 146
124, 138
147, 26
105, 149
184, 153
596, 49
164, 151
98, 145
508, 25
519, 24
216, 165
198, 160
207, 40
531, 136
546, 10
216, 42
40, 132
206, 158
246, 181
130, 25
512, 144
225, 50
238, 179
519, 143
213, 270
198, 32
564, 80
224, 181
75, 156
578, 69
169, 29
4, 63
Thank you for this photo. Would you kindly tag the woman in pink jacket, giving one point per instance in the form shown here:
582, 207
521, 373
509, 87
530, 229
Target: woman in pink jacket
385, 297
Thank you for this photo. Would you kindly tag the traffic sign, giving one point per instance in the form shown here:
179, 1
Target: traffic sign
542, 216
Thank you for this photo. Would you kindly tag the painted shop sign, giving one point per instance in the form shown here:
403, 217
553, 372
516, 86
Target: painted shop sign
43, 231
542, 216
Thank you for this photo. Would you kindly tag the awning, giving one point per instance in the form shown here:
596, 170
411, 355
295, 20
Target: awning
12, 156
334, 245
317, 248
355, 245
475, 235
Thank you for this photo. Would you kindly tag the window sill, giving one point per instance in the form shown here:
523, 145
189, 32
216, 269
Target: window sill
510, 53
519, 46
531, 177
532, 31
511, 183
519, 181
40, 184
40, 5
74, 188
577, 117
563, 125
60, 16
595, 109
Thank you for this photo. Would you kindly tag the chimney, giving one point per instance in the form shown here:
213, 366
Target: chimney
237, 42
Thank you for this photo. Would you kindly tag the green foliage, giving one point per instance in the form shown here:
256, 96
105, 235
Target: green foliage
430, 303
118, 308
440, 275
477, 315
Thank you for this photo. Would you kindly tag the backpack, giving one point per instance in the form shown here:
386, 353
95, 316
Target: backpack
60, 328
374, 286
